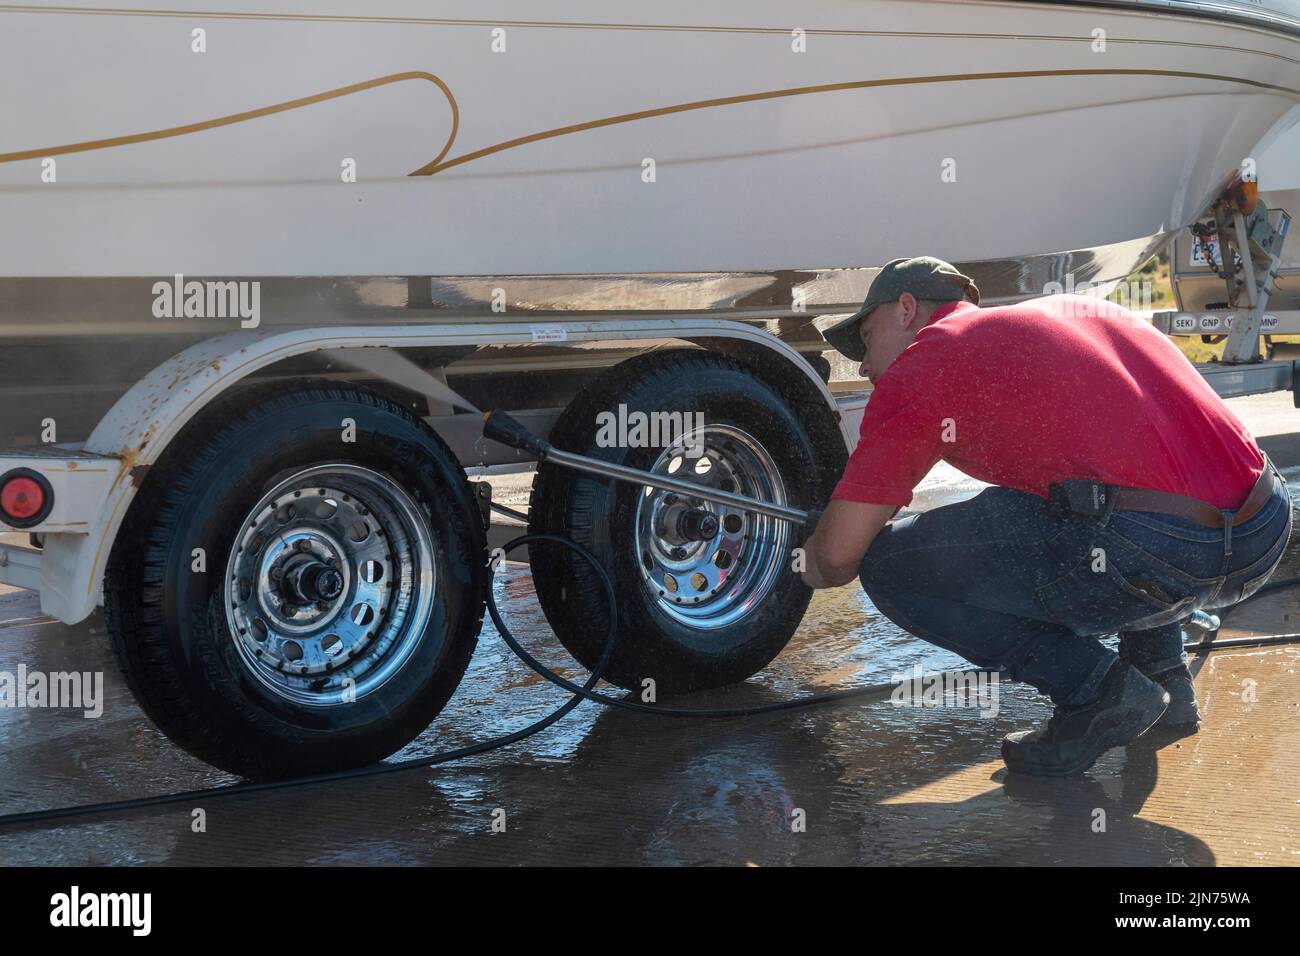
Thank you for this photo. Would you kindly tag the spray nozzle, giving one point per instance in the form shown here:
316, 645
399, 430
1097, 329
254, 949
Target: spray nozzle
504, 428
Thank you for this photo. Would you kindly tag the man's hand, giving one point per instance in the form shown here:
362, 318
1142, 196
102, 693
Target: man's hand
844, 533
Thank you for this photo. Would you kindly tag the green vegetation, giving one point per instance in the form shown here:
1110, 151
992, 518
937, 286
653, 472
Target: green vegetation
1156, 271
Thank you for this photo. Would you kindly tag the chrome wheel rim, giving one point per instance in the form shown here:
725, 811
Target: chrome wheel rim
713, 580
329, 585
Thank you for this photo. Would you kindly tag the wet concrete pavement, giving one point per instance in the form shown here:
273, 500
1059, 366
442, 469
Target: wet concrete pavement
875, 783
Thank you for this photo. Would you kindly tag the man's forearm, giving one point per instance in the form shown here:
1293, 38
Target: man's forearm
834, 551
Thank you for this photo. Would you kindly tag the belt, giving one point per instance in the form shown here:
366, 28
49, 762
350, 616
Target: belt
1193, 509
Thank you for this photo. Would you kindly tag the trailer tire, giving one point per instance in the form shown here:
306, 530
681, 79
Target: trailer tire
674, 634
209, 653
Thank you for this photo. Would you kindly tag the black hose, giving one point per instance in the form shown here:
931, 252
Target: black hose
1234, 643
580, 692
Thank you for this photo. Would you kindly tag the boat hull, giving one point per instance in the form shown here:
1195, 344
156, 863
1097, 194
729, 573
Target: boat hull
694, 138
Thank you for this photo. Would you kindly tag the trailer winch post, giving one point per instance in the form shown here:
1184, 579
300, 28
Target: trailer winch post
1258, 245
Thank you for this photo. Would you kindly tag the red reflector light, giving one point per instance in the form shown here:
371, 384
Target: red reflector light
22, 498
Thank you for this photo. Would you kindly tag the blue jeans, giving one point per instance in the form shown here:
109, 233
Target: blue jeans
1008, 582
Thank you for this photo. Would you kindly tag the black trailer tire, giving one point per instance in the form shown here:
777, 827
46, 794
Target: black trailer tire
402, 507
673, 638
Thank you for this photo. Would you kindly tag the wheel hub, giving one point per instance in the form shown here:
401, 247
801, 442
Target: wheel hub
303, 577
679, 523
308, 581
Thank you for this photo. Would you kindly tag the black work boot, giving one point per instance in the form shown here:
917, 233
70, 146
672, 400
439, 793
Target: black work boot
1182, 711
1127, 704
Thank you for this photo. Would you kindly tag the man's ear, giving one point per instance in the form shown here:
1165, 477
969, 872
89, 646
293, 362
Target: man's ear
910, 308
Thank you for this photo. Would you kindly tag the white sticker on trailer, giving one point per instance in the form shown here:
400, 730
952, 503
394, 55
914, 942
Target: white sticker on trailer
1200, 248
549, 333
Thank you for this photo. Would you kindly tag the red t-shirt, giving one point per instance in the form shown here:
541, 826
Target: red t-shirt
1062, 387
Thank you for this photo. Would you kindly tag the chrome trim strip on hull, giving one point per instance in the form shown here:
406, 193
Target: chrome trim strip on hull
1223, 12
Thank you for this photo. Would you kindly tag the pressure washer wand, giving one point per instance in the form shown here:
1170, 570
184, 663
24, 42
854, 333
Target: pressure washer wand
501, 427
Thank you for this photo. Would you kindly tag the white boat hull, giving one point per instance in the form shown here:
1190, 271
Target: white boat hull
935, 155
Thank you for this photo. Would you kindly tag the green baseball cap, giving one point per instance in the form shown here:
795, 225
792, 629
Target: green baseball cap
923, 276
